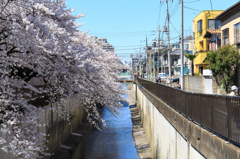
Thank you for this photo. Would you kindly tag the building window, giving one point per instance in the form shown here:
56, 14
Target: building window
186, 46
225, 36
154, 44
214, 24
199, 27
237, 33
178, 46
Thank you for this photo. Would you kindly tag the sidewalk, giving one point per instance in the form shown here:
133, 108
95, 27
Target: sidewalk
140, 138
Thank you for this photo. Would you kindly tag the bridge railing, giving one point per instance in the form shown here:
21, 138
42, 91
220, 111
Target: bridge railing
217, 113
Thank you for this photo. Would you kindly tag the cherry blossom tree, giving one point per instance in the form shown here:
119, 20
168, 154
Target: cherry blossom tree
41, 38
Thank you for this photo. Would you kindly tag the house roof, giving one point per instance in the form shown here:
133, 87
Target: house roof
175, 52
189, 38
228, 11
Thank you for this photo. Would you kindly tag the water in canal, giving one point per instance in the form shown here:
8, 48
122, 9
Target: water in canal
114, 142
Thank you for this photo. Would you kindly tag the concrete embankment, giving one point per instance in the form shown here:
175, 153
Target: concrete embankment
172, 136
57, 128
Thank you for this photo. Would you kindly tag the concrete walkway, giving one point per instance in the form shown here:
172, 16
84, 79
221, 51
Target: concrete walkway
140, 138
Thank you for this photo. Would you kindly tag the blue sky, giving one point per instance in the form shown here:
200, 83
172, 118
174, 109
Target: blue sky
127, 23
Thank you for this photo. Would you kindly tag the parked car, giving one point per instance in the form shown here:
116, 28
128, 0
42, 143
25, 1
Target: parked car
175, 80
163, 76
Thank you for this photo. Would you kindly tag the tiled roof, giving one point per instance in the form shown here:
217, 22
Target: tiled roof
228, 11
189, 38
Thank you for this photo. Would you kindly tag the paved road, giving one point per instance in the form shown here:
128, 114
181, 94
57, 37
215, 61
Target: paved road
114, 142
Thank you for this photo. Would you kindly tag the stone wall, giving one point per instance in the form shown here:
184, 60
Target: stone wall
172, 136
195, 83
60, 129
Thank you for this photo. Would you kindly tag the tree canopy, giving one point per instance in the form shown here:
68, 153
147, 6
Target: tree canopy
191, 57
41, 38
223, 64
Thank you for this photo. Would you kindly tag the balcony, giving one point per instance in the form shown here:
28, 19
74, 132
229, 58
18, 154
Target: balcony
200, 51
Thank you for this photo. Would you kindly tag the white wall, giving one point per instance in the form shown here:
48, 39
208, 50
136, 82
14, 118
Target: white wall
164, 140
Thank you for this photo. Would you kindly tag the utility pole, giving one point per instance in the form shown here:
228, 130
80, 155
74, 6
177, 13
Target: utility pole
169, 60
150, 66
182, 51
159, 30
153, 66
140, 64
147, 66
161, 61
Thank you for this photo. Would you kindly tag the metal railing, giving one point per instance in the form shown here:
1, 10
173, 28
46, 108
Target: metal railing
217, 113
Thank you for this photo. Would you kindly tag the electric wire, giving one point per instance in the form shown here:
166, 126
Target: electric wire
192, 1
129, 22
192, 9
211, 6
173, 26
159, 14
175, 9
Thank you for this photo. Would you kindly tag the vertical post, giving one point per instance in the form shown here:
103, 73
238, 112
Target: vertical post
158, 49
169, 60
212, 112
182, 53
161, 61
147, 66
154, 67
140, 61
228, 105
150, 66
190, 108
136, 91
200, 111
140, 68
185, 104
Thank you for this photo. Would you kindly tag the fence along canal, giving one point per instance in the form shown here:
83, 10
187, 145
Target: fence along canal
217, 113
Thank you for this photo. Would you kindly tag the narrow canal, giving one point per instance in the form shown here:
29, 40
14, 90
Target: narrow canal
114, 142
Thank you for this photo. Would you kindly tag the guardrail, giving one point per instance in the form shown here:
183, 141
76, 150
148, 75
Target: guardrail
217, 113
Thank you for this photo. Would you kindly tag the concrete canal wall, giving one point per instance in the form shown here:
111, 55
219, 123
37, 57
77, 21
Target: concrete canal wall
57, 128
172, 136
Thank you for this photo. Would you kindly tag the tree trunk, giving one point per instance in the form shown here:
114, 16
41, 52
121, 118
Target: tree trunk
192, 69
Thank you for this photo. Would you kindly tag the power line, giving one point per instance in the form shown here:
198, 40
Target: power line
124, 35
132, 32
192, 1
129, 46
129, 22
174, 27
192, 9
159, 14
211, 6
175, 9
128, 49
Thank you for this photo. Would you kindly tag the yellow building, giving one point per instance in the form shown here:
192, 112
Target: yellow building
202, 23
